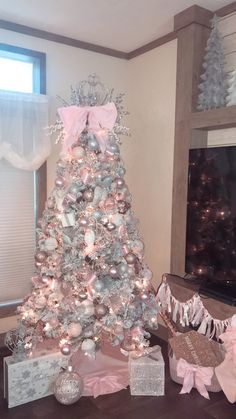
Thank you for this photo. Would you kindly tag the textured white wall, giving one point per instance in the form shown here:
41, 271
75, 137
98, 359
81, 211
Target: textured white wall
149, 153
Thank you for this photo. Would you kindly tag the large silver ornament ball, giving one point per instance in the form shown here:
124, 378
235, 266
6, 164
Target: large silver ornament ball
93, 144
68, 387
130, 258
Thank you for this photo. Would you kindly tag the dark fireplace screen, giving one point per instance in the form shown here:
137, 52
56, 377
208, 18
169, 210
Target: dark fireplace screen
211, 219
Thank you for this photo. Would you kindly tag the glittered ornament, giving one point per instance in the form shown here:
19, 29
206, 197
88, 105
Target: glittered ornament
78, 153
123, 206
97, 214
88, 345
66, 349
100, 310
60, 182
74, 329
50, 244
130, 258
88, 308
40, 256
88, 195
68, 387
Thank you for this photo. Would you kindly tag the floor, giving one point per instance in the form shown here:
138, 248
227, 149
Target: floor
124, 406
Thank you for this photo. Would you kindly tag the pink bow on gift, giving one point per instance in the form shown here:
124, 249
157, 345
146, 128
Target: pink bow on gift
103, 385
194, 375
97, 119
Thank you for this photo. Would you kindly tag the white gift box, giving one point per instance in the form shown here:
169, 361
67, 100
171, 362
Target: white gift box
31, 378
147, 374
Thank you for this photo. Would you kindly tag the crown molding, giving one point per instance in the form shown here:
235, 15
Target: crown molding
193, 14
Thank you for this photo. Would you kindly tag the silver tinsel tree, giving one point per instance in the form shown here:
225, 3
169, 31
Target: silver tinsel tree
91, 281
213, 86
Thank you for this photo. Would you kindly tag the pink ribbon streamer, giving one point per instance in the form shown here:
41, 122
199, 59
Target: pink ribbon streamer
97, 119
194, 375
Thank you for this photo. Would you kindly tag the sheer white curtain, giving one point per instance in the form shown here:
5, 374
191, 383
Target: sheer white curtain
24, 142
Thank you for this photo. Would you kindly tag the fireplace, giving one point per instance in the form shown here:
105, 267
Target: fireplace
211, 221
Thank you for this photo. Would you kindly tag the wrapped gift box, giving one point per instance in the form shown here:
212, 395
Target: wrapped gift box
147, 374
31, 378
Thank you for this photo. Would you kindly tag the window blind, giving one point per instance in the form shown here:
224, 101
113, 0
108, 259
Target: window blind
17, 231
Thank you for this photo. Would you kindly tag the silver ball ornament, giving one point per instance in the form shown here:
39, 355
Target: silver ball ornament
83, 221
93, 144
113, 272
97, 214
88, 345
68, 387
122, 268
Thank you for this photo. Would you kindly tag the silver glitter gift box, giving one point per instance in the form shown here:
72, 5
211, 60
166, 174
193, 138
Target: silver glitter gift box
147, 374
33, 377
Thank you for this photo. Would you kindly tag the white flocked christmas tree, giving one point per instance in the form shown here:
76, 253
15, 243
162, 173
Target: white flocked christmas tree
213, 86
91, 281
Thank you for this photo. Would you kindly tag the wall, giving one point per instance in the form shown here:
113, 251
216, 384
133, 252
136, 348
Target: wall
148, 154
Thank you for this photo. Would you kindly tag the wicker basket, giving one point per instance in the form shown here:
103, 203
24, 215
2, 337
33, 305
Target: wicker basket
214, 387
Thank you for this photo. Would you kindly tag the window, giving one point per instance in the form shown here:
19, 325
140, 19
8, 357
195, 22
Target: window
22, 192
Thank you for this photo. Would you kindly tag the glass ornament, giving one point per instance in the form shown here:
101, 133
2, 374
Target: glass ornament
68, 387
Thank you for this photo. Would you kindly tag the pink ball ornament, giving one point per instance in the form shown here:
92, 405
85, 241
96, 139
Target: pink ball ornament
83, 221
74, 329
109, 204
100, 310
113, 272
88, 195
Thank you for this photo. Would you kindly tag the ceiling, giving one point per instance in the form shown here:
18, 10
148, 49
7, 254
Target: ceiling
119, 24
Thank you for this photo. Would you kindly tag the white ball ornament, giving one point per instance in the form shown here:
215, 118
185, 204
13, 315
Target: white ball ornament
78, 153
74, 329
50, 244
88, 307
88, 345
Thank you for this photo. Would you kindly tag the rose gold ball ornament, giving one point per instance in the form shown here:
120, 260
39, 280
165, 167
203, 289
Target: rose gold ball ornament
88, 308
113, 272
74, 329
40, 256
88, 195
130, 258
83, 221
119, 182
68, 387
100, 310
60, 182
110, 226
66, 349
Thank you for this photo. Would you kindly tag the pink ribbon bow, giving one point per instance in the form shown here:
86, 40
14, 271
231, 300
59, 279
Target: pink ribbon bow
97, 119
107, 384
194, 375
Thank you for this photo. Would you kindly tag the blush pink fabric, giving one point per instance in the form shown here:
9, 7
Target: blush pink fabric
193, 375
226, 371
97, 119
106, 374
